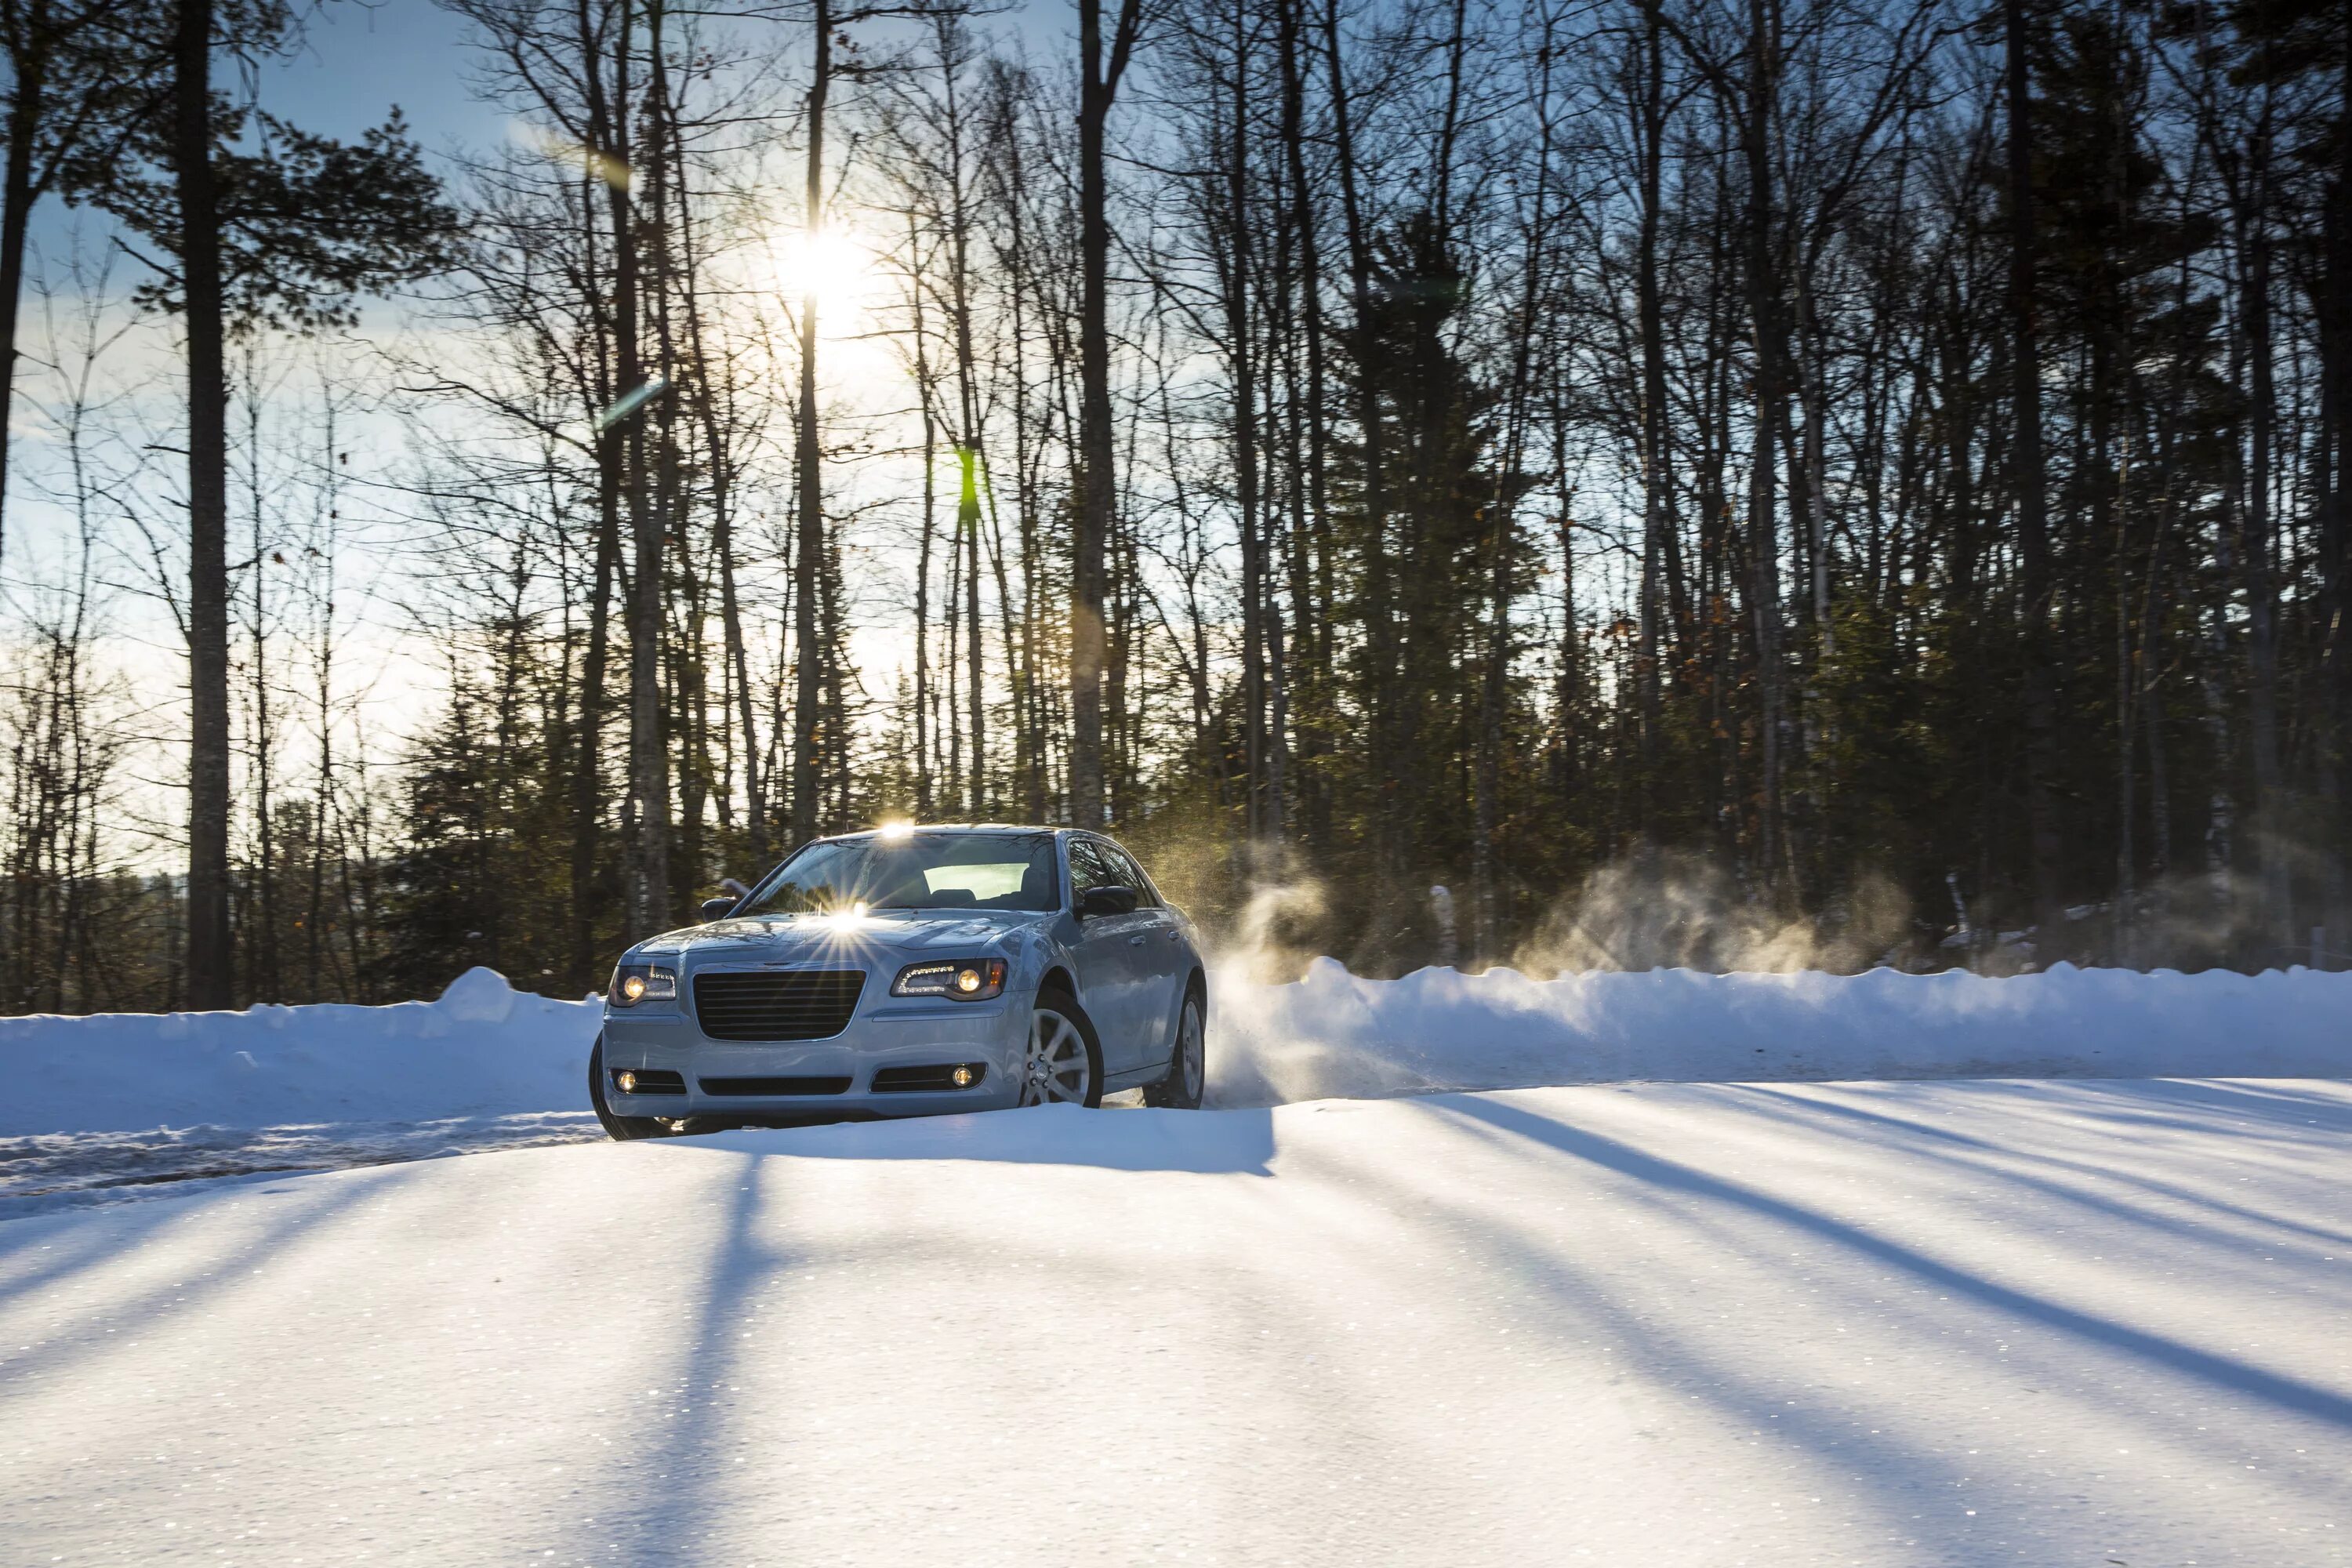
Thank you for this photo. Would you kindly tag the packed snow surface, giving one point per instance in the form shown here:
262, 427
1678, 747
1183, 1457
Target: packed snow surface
1897, 1324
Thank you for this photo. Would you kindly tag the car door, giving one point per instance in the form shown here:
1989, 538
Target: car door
1161, 962
1110, 957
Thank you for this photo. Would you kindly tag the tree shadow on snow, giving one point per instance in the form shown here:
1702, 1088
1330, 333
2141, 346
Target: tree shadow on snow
2219, 1373
712, 1421
2066, 1177
1206, 1143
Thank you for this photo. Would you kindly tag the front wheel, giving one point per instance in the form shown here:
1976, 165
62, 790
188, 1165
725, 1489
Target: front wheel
1063, 1062
1188, 1066
622, 1129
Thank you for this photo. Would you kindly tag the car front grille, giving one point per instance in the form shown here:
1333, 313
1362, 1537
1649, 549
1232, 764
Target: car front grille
774, 1086
809, 1005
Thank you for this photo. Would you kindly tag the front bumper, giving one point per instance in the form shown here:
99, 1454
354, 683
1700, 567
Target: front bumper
897, 1033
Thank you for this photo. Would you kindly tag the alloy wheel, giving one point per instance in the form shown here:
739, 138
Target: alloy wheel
1056, 1070
1191, 1054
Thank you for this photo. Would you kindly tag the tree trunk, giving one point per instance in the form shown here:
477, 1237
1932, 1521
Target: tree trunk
1764, 538
968, 538
1657, 482
1378, 590
1311, 543
210, 952
2335, 541
927, 396
1236, 267
264, 977
2271, 824
808, 566
17, 198
648, 758
1098, 491
2032, 527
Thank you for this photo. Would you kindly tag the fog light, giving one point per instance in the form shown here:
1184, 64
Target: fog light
961, 1078
625, 1081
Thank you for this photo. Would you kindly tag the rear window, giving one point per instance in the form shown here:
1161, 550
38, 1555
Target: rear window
922, 871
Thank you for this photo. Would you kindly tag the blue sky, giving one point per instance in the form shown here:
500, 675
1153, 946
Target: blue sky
358, 59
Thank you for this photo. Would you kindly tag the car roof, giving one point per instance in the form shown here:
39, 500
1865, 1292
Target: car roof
959, 827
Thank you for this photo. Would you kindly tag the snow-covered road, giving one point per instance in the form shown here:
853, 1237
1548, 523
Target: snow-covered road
1970, 1322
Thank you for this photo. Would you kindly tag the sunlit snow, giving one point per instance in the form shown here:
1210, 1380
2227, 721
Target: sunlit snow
1913, 1323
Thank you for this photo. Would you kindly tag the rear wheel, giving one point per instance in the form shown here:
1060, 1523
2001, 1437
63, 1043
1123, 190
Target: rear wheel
1063, 1062
1188, 1066
622, 1128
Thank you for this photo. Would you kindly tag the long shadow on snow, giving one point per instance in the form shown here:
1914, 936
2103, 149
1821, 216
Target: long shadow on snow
2222, 1373
1679, 1362
2285, 1102
1678, 1367
114, 1235
1213, 1142
680, 1477
1964, 1151
682, 1470
675, 1482
2191, 1105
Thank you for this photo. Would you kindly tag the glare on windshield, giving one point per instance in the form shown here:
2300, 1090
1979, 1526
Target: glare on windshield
921, 872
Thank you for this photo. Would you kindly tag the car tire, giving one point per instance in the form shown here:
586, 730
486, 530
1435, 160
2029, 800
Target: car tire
1052, 1053
621, 1128
1188, 1064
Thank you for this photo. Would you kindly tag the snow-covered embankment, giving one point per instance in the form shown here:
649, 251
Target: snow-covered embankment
486, 1050
1335, 1035
483, 1050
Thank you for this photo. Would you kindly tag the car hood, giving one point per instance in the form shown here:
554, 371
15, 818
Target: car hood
800, 938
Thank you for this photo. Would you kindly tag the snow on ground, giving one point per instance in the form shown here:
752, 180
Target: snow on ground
79, 1170
111, 1108
1898, 1324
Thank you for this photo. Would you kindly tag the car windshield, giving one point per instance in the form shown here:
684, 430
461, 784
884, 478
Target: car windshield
921, 871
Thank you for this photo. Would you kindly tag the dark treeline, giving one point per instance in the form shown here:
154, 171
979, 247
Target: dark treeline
1700, 480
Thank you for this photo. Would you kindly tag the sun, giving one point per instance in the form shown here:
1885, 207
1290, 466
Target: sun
829, 265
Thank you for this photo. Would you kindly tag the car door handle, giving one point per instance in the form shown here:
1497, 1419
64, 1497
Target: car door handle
1135, 941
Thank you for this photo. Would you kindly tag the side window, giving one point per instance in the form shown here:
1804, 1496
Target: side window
1130, 875
1087, 868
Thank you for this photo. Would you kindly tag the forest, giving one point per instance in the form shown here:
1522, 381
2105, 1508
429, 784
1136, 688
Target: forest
1605, 483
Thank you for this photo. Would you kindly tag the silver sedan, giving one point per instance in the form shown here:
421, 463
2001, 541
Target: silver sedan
905, 971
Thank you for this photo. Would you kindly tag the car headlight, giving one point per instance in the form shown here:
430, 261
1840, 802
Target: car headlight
957, 979
636, 983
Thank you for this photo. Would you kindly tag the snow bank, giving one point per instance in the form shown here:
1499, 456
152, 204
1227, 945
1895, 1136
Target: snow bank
487, 1050
483, 1050
1332, 1035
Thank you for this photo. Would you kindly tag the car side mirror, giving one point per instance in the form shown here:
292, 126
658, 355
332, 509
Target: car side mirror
1107, 901
716, 908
